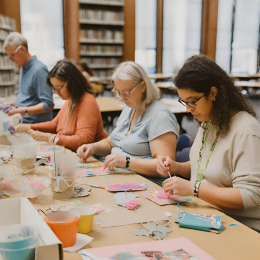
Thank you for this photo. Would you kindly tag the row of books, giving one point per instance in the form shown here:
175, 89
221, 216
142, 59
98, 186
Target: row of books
5, 62
103, 62
7, 22
103, 73
101, 49
6, 77
3, 34
107, 35
6, 91
100, 15
108, 2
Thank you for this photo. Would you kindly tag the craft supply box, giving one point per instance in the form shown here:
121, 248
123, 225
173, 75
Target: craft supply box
21, 211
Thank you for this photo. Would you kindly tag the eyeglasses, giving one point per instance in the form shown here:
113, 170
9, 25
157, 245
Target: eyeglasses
117, 94
59, 88
190, 104
12, 55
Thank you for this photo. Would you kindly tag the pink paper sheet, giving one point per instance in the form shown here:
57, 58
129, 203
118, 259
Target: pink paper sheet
126, 187
165, 246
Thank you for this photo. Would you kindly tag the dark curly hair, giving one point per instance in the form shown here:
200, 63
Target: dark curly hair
199, 73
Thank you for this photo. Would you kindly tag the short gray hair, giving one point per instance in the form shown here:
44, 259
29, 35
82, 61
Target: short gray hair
132, 71
14, 40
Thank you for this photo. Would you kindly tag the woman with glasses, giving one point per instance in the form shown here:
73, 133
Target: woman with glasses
79, 120
145, 129
224, 166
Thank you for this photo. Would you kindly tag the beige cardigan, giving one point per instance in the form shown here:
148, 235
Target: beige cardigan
235, 162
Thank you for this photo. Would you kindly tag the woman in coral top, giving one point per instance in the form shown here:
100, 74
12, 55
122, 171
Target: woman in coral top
79, 120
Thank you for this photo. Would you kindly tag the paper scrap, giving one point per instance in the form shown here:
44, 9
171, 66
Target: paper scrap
156, 230
81, 241
168, 214
162, 198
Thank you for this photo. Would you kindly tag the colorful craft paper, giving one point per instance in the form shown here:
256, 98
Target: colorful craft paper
127, 199
156, 230
29, 186
100, 207
162, 198
178, 248
88, 172
126, 187
46, 149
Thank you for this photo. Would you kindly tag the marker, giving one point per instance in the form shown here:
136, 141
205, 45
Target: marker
93, 185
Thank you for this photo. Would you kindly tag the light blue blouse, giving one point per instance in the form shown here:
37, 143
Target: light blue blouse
157, 120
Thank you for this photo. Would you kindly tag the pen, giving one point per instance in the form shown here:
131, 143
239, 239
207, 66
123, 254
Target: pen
93, 185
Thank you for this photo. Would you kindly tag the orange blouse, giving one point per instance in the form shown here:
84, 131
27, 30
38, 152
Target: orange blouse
83, 126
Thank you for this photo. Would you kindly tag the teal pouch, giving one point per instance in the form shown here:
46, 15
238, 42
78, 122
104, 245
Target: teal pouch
212, 223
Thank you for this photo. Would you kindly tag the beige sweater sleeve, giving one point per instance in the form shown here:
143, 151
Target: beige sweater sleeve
246, 176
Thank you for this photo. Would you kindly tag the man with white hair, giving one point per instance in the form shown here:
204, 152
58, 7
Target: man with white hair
34, 99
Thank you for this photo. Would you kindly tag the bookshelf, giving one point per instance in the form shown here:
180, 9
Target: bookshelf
101, 34
7, 73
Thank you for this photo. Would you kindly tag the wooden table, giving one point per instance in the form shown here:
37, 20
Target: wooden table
237, 242
245, 77
248, 84
160, 76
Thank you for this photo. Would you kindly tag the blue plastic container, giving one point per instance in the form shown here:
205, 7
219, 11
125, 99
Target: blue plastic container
18, 242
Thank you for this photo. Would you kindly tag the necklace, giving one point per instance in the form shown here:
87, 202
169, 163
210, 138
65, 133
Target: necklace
199, 174
69, 112
131, 119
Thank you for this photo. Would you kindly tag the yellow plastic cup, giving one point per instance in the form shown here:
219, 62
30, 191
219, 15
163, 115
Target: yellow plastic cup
86, 218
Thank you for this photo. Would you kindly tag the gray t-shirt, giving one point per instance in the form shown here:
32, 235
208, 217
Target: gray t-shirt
157, 120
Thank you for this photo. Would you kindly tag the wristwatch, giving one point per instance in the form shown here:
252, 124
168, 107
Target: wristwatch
196, 189
127, 162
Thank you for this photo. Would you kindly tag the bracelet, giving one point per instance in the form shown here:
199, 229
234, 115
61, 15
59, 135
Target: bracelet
127, 162
196, 189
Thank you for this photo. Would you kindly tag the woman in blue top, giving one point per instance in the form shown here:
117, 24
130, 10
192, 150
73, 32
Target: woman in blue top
145, 129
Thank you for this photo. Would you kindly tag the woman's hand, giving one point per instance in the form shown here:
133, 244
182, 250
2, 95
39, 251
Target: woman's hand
41, 137
113, 160
178, 186
85, 151
23, 128
15, 110
166, 164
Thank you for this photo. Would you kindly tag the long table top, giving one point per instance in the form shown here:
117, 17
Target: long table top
234, 242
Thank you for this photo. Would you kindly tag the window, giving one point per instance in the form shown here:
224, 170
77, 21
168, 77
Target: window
42, 26
181, 32
237, 45
145, 34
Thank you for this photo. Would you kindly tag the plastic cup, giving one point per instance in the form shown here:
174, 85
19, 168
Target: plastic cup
86, 218
25, 157
62, 189
64, 224
18, 242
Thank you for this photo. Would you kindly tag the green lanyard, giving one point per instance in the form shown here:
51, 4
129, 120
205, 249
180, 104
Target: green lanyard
199, 174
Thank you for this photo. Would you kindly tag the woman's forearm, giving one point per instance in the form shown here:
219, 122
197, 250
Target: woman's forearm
144, 166
224, 198
182, 169
102, 148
